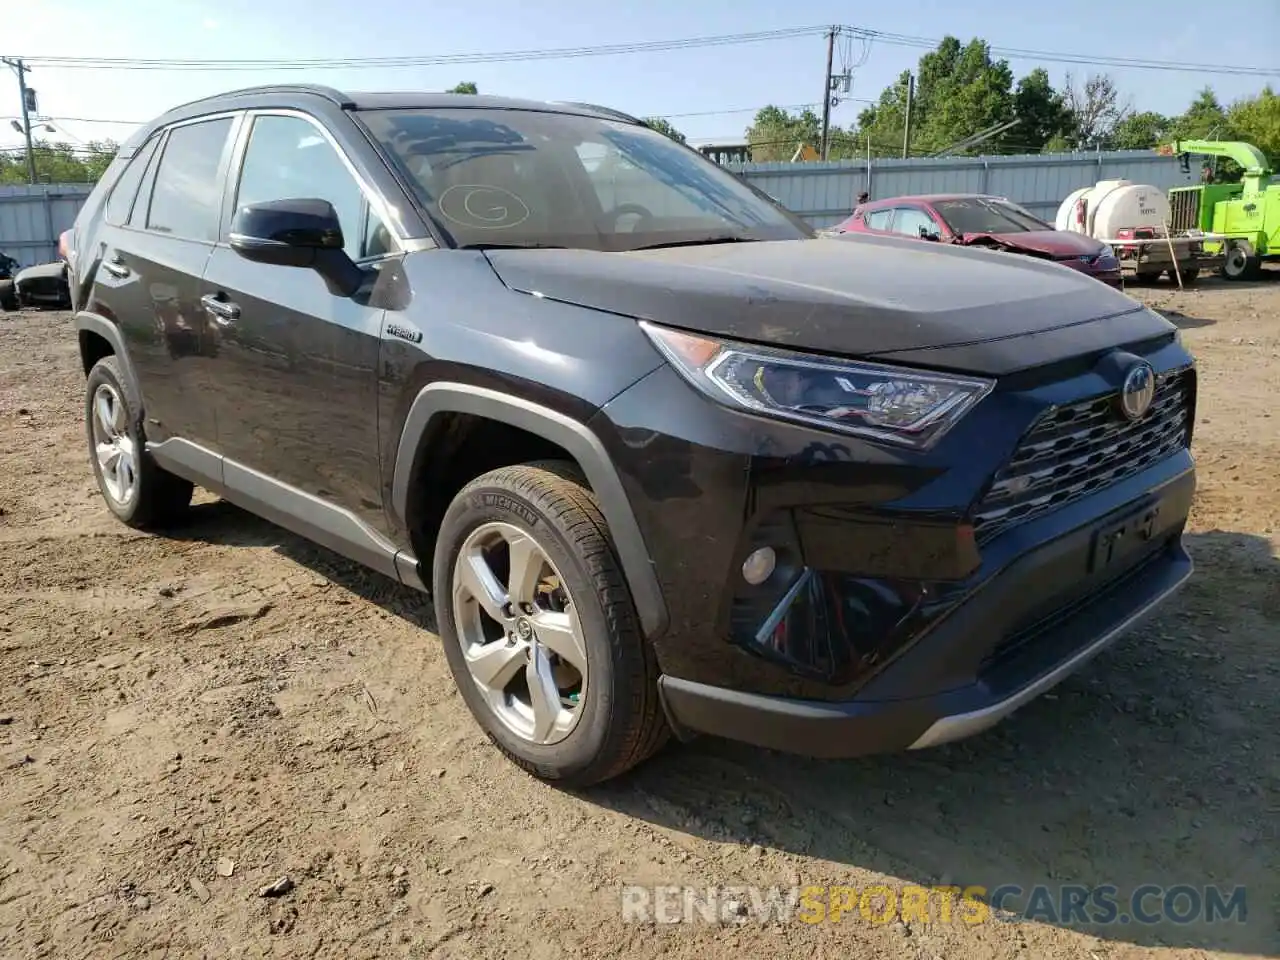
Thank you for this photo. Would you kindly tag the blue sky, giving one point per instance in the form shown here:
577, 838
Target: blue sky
702, 82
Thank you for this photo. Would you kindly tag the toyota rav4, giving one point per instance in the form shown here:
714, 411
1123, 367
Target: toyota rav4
666, 461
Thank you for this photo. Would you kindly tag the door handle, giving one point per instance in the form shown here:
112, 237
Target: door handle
224, 311
116, 267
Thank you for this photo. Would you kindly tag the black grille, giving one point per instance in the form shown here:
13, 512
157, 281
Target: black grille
1184, 209
1075, 450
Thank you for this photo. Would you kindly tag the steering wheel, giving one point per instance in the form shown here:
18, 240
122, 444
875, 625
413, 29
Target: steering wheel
610, 217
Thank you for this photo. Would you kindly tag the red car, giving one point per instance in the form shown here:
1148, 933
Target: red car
974, 219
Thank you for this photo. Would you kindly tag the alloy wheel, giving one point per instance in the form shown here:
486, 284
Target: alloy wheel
114, 449
520, 634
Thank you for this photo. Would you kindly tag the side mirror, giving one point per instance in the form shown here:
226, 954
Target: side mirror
299, 232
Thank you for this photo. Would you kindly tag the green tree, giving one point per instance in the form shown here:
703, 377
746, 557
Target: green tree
959, 91
1041, 111
466, 86
776, 133
1257, 120
663, 125
59, 162
1204, 119
883, 122
1096, 110
966, 93
1141, 131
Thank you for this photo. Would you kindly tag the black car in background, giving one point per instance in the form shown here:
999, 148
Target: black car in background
8, 298
666, 461
44, 285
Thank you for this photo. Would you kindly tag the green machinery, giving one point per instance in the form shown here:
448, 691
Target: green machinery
1245, 214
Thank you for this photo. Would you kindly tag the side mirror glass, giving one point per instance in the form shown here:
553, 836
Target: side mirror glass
298, 232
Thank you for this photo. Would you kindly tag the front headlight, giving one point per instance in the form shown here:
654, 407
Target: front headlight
891, 404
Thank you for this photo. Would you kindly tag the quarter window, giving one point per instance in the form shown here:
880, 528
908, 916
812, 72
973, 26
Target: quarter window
126, 189
187, 198
288, 158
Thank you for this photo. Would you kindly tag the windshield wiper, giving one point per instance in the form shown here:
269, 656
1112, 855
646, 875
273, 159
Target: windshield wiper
700, 241
512, 246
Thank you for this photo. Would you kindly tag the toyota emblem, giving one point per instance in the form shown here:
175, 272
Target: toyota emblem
1138, 390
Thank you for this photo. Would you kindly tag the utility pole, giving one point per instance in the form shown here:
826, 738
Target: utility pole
826, 92
906, 125
20, 69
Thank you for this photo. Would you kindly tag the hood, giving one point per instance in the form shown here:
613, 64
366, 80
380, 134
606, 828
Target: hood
852, 295
1055, 243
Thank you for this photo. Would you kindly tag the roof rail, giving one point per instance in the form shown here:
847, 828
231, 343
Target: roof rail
607, 111
337, 97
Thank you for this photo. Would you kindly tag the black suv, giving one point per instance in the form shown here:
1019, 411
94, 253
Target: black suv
667, 461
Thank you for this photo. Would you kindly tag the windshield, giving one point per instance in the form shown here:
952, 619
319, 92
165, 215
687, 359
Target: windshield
985, 215
523, 178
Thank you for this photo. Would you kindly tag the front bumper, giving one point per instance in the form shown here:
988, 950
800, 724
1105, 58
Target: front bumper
1036, 622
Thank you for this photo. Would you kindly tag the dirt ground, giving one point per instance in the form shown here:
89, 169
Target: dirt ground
184, 720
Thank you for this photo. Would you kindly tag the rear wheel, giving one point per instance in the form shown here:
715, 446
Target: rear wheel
136, 489
539, 627
1189, 275
1241, 264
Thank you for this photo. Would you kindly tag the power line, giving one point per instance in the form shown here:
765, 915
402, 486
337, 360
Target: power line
652, 46
351, 63
83, 120
727, 111
1094, 60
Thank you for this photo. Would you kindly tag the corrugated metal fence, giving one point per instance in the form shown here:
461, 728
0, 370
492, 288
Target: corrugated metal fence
824, 193
31, 217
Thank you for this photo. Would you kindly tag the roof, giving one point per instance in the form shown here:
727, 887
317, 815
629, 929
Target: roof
931, 198
301, 94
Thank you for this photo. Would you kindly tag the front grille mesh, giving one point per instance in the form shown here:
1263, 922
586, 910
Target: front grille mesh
1184, 212
1078, 449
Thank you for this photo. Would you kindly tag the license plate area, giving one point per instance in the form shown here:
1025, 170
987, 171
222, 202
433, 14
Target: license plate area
1115, 542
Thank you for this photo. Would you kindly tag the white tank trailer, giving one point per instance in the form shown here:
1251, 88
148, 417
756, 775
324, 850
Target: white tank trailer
1115, 211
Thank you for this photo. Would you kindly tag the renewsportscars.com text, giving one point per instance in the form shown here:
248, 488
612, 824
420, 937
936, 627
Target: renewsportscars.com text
1067, 904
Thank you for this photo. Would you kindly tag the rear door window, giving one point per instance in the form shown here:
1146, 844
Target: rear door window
120, 203
187, 198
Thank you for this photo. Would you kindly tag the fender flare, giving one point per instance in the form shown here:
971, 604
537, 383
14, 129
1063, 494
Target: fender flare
581, 443
93, 323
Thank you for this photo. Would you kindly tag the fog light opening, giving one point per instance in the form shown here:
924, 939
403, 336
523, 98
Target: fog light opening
759, 566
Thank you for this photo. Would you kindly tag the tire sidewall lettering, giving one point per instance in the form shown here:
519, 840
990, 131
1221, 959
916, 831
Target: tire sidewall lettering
493, 500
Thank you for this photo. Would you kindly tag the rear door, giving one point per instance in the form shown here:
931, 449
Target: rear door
160, 224
297, 366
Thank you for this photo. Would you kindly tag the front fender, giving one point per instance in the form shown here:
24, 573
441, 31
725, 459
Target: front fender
583, 445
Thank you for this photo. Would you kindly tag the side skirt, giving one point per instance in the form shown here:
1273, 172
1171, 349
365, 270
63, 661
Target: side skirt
286, 506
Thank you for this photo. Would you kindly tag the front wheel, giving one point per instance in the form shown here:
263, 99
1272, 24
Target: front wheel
136, 489
540, 630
